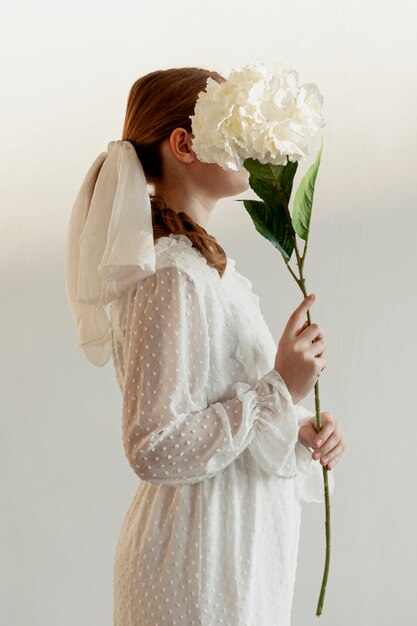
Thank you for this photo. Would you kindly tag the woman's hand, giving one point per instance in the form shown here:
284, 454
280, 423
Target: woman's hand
333, 438
299, 359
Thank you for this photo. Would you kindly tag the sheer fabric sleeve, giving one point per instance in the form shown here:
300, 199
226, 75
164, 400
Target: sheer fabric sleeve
273, 432
171, 435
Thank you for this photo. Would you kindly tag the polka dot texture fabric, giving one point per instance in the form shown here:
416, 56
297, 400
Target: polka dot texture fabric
209, 428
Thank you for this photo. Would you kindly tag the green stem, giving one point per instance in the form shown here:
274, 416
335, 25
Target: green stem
301, 283
295, 277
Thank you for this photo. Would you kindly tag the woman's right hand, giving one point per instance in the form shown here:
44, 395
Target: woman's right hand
299, 359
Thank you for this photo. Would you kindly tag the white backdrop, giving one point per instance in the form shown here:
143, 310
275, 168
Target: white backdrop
65, 484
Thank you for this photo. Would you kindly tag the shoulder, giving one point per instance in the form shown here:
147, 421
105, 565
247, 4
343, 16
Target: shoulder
180, 272
178, 262
178, 251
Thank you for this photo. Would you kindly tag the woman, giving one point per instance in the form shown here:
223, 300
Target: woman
211, 421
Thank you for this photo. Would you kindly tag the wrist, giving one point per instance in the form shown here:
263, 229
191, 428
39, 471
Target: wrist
294, 397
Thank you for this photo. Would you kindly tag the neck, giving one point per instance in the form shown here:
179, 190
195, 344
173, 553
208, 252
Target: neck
186, 200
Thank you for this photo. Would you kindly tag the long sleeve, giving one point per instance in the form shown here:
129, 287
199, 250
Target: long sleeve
271, 441
171, 434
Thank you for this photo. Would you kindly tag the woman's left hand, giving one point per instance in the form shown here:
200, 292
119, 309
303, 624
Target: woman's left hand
333, 442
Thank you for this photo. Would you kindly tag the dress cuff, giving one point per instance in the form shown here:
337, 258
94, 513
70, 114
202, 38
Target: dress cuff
276, 427
276, 447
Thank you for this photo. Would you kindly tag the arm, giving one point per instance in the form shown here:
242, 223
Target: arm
170, 435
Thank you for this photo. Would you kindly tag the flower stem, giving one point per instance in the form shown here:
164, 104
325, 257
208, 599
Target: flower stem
301, 283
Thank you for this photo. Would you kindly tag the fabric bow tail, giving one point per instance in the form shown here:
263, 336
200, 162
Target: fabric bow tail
110, 244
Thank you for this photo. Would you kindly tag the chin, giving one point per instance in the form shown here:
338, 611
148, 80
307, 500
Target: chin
240, 181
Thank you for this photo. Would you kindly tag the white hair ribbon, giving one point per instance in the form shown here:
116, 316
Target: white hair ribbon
110, 244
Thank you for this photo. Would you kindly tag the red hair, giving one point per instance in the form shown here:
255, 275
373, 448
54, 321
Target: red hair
158, 103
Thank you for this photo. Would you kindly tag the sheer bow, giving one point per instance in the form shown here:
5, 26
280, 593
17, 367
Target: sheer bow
110, 244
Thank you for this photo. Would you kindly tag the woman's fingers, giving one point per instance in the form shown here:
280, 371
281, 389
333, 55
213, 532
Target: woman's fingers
332, 447
314, 337
331, 458
303, 327
296, 316
329, 442
317, 347
323, 451
312, 333
328, 424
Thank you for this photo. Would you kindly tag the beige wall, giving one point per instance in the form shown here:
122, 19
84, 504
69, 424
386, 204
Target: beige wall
65, 484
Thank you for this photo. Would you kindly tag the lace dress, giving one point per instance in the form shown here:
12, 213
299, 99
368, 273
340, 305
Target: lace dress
208, 426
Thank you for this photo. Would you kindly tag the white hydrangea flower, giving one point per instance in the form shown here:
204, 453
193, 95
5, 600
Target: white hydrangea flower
259, 112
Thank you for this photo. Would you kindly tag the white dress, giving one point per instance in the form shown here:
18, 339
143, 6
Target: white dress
211, 535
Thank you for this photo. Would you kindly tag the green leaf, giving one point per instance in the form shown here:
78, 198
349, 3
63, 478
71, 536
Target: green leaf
273, 224
272, 219
272, 183
303, 199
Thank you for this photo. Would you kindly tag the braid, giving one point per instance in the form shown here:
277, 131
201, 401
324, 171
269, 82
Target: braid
165, 221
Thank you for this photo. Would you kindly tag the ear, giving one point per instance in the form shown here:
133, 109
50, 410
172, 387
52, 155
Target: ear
181, 148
